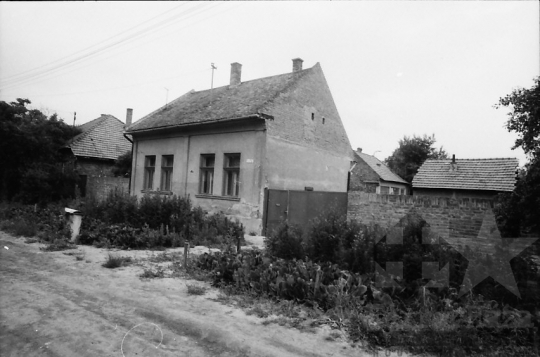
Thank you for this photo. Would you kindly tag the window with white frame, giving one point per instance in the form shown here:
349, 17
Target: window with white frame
231, 175
167, 162
206, 178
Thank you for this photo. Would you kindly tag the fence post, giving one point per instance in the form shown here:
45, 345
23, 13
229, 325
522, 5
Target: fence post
317, 282
186, 250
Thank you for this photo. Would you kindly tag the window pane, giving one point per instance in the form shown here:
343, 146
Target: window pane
233, 160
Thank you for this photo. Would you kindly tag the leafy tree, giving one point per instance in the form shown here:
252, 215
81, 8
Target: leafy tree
411, 154
519, 211
524, 117
122, 165
30, 159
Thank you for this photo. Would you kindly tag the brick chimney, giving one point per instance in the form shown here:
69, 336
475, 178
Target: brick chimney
297, 64
129, 117
236, 73
359, 150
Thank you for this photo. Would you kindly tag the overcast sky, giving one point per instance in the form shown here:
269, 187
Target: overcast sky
394, 68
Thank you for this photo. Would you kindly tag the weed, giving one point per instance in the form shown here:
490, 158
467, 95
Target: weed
58, 245
159, 272
163, 257
114, 261
194, 289
31, 240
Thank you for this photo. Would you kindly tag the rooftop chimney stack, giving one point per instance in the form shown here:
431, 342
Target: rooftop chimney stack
297, 64
453, 159
359, 150
236, 73
129, 117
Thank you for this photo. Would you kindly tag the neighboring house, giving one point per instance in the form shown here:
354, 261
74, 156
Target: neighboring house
224, 146
94, 152
474, 178
370, 175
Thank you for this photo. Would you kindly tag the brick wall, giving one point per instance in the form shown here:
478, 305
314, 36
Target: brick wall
466, 220
99, 187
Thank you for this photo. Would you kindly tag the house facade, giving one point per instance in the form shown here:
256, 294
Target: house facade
460, 178
224, 146
370, 175
94, 153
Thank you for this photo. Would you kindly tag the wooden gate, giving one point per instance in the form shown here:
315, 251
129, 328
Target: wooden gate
299, 207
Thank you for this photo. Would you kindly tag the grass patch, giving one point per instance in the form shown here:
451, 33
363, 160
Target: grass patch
194, 289
116, 261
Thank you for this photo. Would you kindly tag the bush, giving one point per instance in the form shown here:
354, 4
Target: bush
285, 242
114, 261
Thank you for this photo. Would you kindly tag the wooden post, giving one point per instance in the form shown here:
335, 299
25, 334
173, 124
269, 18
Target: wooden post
186, 250
317, 282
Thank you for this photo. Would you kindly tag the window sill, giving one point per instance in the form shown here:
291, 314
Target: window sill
225, 198
152, 192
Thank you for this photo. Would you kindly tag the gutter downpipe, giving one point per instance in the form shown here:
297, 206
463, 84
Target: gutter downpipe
132, 147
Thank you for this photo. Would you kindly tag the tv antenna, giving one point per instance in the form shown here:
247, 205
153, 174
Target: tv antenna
212, 83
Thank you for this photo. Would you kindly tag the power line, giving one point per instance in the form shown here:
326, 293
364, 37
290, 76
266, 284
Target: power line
141, 33
89, 47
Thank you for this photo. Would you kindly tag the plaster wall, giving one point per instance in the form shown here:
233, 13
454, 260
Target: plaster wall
290, 166
187, 146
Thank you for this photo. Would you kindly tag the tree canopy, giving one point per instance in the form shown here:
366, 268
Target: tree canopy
30, 158
518, 212
411, 154
524, 117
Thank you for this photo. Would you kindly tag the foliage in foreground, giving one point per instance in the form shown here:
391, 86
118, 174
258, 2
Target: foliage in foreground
154, 221
434, 321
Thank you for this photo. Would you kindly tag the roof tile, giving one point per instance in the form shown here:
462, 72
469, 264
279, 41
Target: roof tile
497, 174
101, 138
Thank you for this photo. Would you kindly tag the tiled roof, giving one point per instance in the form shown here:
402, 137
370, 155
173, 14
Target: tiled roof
101, 138
222, 103
468, 174
381, 169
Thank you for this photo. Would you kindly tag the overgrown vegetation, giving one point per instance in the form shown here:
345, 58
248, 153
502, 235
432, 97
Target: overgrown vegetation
329, 271
154, 221
34, 168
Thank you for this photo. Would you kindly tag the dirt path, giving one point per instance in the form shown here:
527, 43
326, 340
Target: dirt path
54, 305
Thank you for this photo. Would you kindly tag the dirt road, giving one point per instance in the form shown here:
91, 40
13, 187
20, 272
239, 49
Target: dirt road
54, 305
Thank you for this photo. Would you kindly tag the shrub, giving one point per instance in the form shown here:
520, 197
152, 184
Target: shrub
114, 261
194, 289
285, 242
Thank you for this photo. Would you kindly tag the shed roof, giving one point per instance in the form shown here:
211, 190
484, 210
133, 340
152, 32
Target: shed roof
497, 174
101, 138
380, 168
228, 102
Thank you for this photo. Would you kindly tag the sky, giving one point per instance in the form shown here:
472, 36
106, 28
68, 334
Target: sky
395, 69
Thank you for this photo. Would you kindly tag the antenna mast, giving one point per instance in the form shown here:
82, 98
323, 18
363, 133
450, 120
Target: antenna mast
212, 84
166, 96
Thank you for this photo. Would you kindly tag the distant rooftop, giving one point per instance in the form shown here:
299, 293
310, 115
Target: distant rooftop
101, 138
497, 174
380, 168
